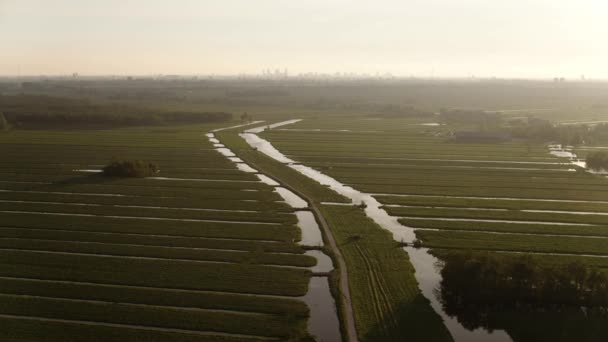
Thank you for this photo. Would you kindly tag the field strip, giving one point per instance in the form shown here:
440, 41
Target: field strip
489, 198
565, 212
438, 207
443, 160
464, 167
329, 154
466, 186
94, 243
136, 217
490, 220
202, 180
163, 247
74, 193
24, 182
135, 287
136, 305
539, 253
138, 327
129, 206
130, 257
511, 233
96, 232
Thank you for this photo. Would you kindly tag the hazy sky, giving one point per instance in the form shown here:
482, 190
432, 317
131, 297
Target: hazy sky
508, 38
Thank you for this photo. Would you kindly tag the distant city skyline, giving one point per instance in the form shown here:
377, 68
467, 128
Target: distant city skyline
431, 38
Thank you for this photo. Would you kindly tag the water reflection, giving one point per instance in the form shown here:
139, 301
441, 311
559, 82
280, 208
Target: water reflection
429, 279
324, 262
323, 322
311, 233
292, 199
267, 180
246, 168
529, 300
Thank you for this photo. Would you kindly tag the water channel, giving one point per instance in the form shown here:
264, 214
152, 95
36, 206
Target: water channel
323, 322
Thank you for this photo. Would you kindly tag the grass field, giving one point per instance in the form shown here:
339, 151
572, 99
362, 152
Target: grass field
388, 305
205, 253
501, 198
470, 190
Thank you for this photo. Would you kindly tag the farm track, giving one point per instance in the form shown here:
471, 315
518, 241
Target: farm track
381, 298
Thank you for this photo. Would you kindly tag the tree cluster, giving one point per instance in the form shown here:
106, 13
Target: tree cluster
508, 282
126, 168
544, 130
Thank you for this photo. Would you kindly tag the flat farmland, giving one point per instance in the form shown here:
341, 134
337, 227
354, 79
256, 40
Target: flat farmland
201, 252
511, 202
510, 196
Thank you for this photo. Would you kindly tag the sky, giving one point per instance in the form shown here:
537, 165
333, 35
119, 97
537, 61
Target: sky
440, 38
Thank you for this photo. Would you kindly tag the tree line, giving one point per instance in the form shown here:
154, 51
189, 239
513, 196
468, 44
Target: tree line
37, 110
518, 281
544, 130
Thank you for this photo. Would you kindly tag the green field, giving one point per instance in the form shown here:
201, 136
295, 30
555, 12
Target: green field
486, 197
207, 254
470, 190
388, 305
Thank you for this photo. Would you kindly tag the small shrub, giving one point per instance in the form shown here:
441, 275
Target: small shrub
126, 168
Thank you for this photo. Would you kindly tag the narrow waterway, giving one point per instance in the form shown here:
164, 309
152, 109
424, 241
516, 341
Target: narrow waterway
323, 322
427, 274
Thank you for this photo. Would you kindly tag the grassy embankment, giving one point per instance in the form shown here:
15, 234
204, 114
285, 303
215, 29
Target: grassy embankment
387, 302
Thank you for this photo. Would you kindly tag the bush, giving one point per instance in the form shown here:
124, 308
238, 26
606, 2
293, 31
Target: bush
597, 160
127, 168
